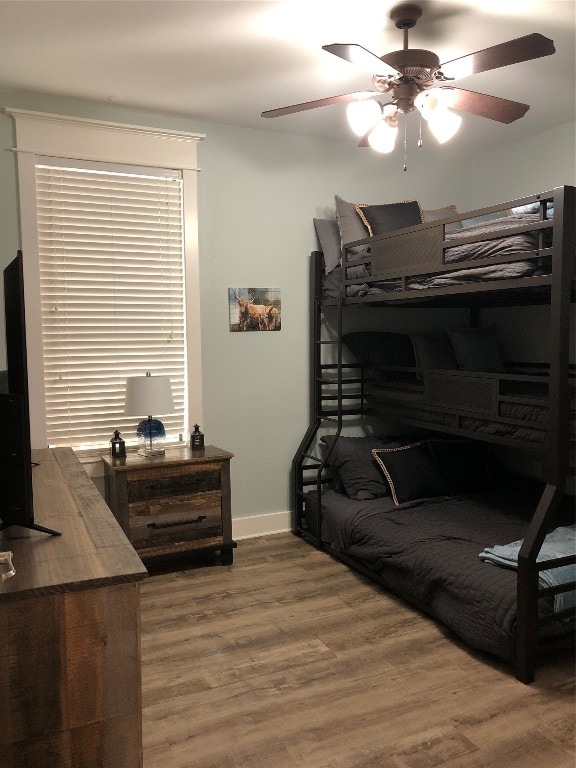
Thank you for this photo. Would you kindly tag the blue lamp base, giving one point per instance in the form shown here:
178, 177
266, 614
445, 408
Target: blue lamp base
151, 437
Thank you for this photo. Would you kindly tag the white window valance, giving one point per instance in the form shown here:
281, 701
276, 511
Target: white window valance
43, 133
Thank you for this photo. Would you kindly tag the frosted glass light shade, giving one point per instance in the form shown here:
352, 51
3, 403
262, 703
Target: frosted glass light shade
432, 101
434, 107
362, 115
383, 137
444, 125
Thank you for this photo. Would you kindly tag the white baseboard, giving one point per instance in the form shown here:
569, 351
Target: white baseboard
260, 525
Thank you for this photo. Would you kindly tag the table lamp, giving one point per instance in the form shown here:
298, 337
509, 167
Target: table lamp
146, 395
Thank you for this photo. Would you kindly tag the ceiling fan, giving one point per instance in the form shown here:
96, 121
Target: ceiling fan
414, 78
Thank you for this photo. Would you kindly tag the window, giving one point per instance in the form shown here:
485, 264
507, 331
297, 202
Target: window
109, 236
110, 248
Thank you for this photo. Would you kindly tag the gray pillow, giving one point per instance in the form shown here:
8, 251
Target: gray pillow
434, 350
477, 349
356, 467
350, 224
433, 214
328, 234
332, 284
534, 208
375, 348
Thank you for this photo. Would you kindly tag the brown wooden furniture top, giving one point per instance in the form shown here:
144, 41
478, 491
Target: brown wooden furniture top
92, 550
172, 457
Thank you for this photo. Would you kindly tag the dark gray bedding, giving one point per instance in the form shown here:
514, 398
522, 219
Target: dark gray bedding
503, 246
486, 426
500, 246
412, 404
428, 552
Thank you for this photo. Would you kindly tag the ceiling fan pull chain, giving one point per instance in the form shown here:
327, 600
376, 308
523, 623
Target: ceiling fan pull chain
405, 143
420, 128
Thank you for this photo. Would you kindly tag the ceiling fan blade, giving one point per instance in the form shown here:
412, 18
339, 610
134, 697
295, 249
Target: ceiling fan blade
492, 107
525, 48
356, 54
345, 97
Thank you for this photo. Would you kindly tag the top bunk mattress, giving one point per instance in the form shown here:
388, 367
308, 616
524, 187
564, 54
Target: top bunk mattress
516, 244
405, 253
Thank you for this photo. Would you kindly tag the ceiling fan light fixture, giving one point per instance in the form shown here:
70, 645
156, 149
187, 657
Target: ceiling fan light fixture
389, 110
444, 125
433, 101
362, 115
412, 77
382, 137
433, 105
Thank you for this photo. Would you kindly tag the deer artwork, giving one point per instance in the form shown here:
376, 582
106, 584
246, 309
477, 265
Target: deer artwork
255, 317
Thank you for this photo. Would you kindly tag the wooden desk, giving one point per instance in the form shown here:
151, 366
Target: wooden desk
70, 681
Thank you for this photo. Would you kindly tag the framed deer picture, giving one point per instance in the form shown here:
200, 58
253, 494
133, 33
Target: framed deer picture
255, 309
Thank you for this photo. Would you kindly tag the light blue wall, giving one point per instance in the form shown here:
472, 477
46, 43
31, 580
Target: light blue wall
535, 164
258, 193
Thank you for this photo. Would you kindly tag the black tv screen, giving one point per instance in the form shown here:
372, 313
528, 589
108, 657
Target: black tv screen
15, 320
16, 499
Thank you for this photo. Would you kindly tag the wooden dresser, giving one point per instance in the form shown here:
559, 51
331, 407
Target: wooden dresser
175, 503
70, 680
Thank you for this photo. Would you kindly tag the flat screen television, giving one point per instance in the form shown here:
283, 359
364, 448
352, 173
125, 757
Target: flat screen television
16, 499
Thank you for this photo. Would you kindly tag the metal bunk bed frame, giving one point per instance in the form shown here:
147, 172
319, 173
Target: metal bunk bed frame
333, 402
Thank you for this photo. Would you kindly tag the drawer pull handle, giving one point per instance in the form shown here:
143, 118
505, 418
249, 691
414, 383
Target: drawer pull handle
180, 522
165, 488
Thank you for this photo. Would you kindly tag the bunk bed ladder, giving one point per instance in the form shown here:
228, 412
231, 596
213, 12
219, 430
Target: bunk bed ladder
337, 392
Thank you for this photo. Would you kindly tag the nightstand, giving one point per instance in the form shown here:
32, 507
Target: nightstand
175, 503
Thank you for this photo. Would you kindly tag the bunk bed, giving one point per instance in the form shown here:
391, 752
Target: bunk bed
427, 512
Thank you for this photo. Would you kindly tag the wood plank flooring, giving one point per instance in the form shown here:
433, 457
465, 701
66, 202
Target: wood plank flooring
288, 659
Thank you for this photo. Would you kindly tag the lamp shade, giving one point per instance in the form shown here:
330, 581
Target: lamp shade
147, 395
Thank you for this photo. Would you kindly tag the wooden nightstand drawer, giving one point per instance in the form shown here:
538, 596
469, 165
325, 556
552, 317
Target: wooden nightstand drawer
183, 504
174, 481
177, 526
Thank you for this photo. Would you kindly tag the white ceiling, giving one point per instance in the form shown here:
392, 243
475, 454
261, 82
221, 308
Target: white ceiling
226, 61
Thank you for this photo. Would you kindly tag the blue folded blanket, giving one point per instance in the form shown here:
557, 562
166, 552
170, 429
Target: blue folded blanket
559, 543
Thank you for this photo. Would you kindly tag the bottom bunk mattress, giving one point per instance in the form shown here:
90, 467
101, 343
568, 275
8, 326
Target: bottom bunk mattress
427, 552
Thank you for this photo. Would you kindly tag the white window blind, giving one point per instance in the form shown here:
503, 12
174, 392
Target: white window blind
112, 295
